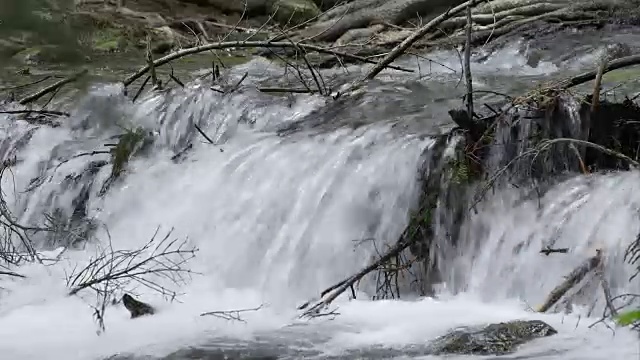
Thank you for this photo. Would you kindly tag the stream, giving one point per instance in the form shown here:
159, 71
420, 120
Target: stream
278, 203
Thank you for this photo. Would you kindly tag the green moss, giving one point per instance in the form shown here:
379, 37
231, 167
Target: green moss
107, 40
462, 171
28, 55
130, 142
620, 75
628, 317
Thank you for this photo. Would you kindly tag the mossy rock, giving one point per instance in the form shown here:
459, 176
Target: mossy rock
130, 142
108, 40
294, 12
621, 75
9, 48
493, 339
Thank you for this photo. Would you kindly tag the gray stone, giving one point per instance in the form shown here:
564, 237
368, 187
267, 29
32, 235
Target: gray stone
493, 339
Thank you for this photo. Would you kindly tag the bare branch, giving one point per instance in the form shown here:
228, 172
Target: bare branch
467, 66
231, 314
53, 87
164, 258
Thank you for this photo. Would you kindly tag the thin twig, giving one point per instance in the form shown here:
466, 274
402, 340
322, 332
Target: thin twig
247, 44
467, 66
203, 134
231, 314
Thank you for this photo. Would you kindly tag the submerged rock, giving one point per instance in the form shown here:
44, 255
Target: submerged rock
493, 339
137, 308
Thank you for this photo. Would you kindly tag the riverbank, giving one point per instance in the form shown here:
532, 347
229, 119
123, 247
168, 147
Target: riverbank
369, 28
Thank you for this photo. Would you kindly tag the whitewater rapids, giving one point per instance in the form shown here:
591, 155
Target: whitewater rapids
276, 220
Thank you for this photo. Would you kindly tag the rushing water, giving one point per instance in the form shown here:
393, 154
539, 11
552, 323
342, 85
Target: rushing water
277, 218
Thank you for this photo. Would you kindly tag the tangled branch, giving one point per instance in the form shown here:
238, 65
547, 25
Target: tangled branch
163, 259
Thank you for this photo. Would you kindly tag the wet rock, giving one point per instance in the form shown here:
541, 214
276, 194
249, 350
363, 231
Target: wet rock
294, 12
137, 308
359, 35
618, 50
164, 39
9, 48
493, 339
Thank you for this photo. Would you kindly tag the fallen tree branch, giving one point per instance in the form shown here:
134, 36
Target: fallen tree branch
571, 280
53, 87
11, 273
591, 75
406, 43
331, 293
249, 44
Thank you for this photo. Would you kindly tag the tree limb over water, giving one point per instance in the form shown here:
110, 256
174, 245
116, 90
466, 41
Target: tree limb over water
247, 44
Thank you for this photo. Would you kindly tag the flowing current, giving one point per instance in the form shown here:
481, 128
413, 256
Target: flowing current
279, 217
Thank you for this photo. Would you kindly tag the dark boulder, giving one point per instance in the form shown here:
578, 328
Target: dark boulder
137, 308
493, 339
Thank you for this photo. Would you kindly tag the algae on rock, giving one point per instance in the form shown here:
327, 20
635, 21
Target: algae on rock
494, 339
130, 142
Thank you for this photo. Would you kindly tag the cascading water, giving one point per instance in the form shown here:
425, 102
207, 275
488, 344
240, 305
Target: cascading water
277, 219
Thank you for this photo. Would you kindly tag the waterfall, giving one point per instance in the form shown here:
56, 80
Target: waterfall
279, 216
